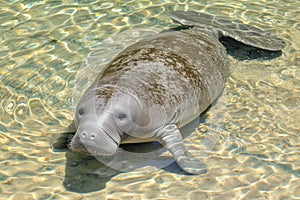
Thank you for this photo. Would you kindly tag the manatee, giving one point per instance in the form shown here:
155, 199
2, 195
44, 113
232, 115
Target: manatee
159, 84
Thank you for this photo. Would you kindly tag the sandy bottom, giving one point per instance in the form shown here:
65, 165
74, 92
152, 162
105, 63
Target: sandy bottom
44, 44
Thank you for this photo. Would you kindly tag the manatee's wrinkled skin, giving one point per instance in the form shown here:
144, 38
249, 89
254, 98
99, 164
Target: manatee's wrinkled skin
151, 89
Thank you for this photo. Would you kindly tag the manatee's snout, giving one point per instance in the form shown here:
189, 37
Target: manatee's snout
97, 141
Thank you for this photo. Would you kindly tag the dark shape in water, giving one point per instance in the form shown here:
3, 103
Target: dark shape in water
242, 51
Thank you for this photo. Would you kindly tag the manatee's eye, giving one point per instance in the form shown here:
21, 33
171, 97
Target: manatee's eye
122, 116
81, 111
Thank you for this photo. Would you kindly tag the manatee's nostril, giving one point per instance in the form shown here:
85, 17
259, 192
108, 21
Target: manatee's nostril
83, 135
92, 137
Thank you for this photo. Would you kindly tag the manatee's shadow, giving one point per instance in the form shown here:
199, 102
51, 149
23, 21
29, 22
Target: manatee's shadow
84, 173
242, 51
238, 50
81, 173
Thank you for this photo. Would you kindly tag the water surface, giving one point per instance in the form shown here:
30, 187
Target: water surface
43, 46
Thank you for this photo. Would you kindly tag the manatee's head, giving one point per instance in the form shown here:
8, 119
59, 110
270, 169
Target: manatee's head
96, 129
102, 119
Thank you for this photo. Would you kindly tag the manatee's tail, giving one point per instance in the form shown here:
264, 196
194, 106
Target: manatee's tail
235, 29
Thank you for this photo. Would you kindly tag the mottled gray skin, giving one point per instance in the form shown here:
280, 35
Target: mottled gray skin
150, 90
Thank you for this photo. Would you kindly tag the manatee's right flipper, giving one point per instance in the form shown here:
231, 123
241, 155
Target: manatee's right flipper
172, 140
235, 29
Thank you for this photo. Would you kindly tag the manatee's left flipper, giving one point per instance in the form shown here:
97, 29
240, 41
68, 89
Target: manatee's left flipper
236, 29
172, 140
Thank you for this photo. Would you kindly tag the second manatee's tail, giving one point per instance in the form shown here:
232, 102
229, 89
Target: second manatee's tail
235, 29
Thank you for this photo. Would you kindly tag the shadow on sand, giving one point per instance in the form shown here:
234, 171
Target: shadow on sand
84, 173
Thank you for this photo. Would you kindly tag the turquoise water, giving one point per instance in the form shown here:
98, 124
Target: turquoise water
45, 43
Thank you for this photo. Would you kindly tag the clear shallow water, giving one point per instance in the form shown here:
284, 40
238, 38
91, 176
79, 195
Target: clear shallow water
44, 44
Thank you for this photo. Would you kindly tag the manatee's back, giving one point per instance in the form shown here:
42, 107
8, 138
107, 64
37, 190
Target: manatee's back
173, 69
